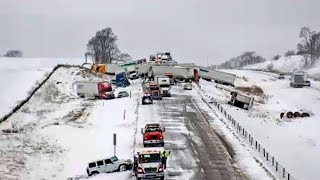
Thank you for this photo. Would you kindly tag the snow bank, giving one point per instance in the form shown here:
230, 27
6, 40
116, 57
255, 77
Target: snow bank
19, 76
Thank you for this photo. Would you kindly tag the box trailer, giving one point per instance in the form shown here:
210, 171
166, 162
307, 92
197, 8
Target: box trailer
112, 68
217, 76
95, 89
164, 83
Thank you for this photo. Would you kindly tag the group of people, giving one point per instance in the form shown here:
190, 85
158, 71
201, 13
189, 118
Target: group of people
163, 155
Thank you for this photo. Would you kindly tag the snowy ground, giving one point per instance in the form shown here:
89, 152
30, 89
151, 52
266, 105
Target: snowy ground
288, 65
60, 133
295, 143
19, 76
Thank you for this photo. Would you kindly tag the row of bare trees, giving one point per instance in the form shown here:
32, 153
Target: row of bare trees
103, 47
13, 53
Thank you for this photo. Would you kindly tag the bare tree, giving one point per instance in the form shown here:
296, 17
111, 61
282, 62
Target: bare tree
309, 45
13, 53
103, 46
123, 57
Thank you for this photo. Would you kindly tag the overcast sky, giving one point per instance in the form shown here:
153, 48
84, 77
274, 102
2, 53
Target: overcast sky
191, 30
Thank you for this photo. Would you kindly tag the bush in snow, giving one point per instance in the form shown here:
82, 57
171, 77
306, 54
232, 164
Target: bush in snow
276, 57
309, 45
13, 53
289, 53
270, 67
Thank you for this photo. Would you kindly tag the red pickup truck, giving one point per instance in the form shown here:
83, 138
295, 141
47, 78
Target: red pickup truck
153, 135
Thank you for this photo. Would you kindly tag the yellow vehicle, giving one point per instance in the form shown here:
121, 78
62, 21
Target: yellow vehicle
101, 68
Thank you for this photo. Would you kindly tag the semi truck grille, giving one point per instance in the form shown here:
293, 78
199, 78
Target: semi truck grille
153, 137
150, 170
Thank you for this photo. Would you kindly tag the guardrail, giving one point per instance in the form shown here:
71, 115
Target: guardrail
252, 142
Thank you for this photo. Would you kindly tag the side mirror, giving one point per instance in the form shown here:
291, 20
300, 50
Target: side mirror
141, 130
164, 129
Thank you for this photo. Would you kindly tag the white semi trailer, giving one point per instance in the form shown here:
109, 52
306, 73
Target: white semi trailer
164, 83
217, 76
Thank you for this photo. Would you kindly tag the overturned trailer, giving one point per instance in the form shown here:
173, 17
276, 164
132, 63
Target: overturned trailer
243, 101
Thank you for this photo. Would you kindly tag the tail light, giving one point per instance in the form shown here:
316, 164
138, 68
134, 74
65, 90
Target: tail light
140, 170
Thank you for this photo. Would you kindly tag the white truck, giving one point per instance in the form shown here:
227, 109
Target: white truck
95, 89
149, 164
217, 76
241, 100
112, 68
164, 83
306, 79
297, 79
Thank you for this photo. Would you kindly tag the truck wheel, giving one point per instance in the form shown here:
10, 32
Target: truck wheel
289, 114
296, 114
94, 173
305, 115
122, 168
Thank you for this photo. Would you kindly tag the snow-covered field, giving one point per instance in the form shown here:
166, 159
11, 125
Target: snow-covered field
19, 75
295, 143
288, 65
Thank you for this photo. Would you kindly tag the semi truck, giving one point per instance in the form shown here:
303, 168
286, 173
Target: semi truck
149, 164
297, 79
165, 85
121, 78
177, 72
244, 101
95, 89
217, 76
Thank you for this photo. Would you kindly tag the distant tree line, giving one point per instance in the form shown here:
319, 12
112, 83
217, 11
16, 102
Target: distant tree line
308, 47
13, 53
103, 47
247, 58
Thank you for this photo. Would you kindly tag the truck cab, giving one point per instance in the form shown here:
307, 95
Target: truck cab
153, 135
241, 100
149, 164
155, 91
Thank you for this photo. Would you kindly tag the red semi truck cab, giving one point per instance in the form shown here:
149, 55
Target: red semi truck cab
153, 135
105, 90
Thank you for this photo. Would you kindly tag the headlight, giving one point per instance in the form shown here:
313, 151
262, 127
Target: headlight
139, 170
160, 169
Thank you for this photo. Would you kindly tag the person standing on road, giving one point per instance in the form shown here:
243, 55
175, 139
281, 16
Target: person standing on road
135, 164
164, 155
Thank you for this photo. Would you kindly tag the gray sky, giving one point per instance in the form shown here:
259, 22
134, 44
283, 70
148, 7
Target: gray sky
190, 29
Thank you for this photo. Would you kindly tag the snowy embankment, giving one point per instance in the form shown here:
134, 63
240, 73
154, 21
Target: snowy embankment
19, 76
295, 143
60, 133
287, 65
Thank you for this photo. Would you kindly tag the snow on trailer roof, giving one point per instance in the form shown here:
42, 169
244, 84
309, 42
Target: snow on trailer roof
93, 81
154, 150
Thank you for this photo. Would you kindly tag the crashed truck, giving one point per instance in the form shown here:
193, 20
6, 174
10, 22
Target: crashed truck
94, 89
299, 79
244, 101
218, 76
181, 73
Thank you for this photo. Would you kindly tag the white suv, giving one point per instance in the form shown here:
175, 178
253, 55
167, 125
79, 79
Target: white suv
108, 165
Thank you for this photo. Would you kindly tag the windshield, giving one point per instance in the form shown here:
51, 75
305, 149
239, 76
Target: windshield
164, 85
153, 129
149, 158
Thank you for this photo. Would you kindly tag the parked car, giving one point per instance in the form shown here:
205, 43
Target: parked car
108, 165
147, 99
187, 86
281, 76
123, 94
